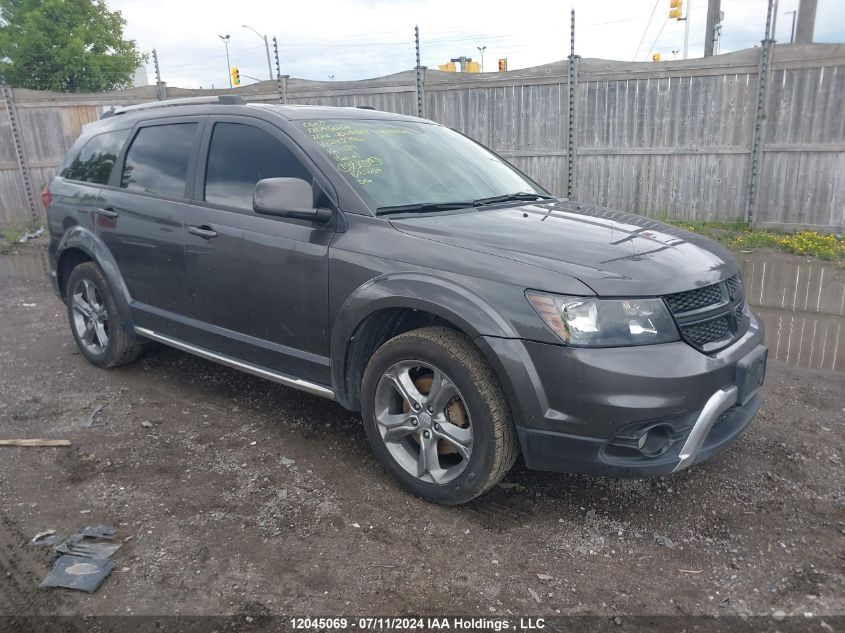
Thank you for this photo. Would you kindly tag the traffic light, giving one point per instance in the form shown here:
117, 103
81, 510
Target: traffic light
676, 9
472, 67
655, 57
448, 67
503, 64
236, 76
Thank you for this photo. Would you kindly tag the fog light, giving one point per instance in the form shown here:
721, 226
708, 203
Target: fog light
655, 441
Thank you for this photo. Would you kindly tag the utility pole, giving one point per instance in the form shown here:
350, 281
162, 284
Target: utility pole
713, 11
686, 29
283, 92
806, 22
8, 98
418, 71
266, 48
571, 123
481, 50
225, 39
766, 49
160, 94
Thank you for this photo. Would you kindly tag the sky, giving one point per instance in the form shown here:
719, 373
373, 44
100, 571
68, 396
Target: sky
358, 39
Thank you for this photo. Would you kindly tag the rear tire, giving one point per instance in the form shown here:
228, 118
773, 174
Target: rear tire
434, 383
95, 321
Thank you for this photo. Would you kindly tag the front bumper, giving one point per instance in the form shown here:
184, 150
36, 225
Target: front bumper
583, 410
547, 450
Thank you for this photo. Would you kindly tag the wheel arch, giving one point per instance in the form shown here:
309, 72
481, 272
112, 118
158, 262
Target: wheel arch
79, 245
388, 306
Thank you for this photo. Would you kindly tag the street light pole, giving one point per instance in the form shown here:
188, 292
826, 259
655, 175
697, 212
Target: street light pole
266, 48
481, 50
792, 32
225, 39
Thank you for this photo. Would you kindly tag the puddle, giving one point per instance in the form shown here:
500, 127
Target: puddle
802, 304
25, 265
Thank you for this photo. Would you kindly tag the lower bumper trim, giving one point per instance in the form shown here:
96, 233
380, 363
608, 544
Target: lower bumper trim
715, 406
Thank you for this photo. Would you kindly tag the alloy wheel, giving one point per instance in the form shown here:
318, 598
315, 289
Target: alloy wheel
423, 421
90, 318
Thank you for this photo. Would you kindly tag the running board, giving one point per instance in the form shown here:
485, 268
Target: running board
255, 370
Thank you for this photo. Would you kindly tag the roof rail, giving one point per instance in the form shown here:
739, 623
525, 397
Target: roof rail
221, 99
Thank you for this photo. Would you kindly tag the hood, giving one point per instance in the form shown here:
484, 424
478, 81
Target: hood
612, 252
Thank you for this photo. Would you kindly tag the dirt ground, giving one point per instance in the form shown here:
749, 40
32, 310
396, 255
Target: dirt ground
242, 496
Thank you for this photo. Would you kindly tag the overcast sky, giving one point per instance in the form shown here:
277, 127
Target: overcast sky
356, 39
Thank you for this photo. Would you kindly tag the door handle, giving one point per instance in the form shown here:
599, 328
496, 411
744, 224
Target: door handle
107, 212
204, 231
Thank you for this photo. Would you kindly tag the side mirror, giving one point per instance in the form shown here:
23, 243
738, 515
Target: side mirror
289, 198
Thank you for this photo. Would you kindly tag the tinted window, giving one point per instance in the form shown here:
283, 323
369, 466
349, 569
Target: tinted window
240, 156
96, 158
157, 160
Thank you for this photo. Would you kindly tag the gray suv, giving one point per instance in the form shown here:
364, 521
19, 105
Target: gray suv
405, 271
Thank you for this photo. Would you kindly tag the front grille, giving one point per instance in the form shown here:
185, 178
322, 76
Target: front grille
711, 317
734, 284
694, 299
707, 332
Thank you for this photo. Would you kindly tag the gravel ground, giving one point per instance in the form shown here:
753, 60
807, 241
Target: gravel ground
241, 496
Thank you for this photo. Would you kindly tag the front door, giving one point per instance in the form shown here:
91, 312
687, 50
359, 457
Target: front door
260, 283
141, 220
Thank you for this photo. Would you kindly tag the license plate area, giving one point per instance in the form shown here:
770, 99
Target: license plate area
750, 373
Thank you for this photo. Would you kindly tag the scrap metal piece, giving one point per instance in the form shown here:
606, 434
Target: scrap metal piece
80, 544
87, 550
75, 572
98, 531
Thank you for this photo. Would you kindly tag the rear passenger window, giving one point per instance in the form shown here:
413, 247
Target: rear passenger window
240, 156
96, 159
157, 160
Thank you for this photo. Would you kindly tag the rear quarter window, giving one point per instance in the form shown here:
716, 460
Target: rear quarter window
96, 159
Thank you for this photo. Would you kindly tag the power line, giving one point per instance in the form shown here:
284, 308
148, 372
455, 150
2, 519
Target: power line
657, 38
646, 29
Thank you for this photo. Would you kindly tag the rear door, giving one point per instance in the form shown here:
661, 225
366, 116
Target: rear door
141, 219
260, 283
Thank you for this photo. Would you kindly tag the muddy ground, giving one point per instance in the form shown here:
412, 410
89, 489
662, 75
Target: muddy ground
240, 495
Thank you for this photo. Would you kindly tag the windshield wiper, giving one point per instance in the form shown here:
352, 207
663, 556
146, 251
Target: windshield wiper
423, 207
519, 195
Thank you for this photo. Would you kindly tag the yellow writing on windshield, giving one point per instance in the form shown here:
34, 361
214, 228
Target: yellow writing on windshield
342, 141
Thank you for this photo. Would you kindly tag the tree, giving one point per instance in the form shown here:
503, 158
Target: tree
65, 45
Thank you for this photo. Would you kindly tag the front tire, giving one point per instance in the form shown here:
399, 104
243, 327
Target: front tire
436, 416
95, 320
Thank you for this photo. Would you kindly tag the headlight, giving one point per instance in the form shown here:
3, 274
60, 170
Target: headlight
605, 322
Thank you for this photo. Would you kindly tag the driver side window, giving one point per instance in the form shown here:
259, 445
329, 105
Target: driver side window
238, 157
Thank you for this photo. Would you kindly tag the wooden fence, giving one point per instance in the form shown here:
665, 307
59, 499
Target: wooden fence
669, 139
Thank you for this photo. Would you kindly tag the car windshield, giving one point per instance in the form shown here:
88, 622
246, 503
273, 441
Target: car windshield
409, 163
